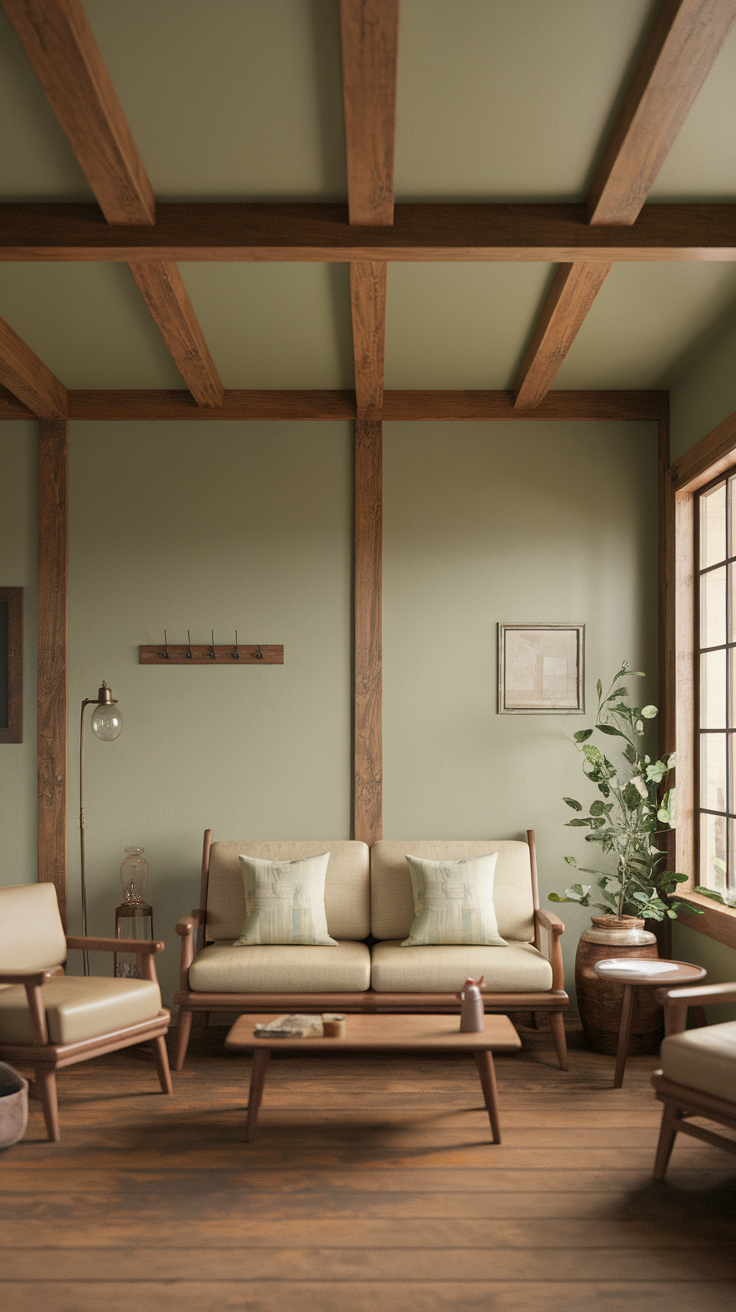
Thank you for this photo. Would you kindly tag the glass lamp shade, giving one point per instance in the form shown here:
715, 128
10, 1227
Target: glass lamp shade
134, 876
107, 722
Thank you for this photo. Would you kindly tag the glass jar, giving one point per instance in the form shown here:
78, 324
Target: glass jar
134, 917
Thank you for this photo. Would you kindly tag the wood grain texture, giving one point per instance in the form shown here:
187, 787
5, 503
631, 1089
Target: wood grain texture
716, 921
239, 231
201, 654
12, 732
28, 378
12, 408
666, 571
53, 644
368, 649
709, 457
61, 47
571, 295
400, 1202
162, 288
369, 32
337, 405
368, 309
684, 44
682, 511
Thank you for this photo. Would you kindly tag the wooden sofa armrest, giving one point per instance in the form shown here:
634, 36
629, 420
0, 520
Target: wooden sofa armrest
186, 928
555, 929
677, 1001
145, 950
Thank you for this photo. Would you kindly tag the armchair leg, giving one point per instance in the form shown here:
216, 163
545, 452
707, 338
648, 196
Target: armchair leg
46, 1084
667, 1132
557, 1025
183, 1030
161, 1057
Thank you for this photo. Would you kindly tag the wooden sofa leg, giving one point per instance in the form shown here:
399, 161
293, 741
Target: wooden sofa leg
161, 1057
46, 1084
183, 1030
557, 1025
667, 1131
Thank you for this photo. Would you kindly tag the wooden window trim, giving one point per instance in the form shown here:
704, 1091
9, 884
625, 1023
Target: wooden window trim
12, 732
713, 456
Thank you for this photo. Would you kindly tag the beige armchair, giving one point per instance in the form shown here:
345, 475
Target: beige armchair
49, 1020
698, 1073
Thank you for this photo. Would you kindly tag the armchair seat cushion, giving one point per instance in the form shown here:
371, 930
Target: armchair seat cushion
443, 968
703, 1059
281, 968
79, 1008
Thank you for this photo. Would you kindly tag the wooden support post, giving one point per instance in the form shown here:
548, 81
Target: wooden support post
368, 748
53, 572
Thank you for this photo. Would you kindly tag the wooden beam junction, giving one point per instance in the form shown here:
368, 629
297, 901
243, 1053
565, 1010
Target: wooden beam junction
28, 379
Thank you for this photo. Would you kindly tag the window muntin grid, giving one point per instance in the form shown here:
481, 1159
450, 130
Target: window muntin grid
716, 683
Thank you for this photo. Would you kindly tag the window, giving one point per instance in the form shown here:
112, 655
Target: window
716, 684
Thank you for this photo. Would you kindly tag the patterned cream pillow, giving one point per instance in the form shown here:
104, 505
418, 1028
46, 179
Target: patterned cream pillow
285, 902
453, 902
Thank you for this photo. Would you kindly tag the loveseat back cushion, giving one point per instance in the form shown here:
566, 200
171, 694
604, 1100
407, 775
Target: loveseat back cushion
392, 902
286, 968
347, 885
31, 933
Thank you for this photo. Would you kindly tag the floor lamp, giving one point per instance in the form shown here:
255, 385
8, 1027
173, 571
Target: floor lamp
106, 724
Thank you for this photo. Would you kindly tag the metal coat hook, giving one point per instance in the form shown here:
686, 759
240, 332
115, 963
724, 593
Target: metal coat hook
213, 653
259, 653
189, 640
236, 653
166, 647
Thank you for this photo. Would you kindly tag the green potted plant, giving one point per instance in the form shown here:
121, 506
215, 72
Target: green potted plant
633, 808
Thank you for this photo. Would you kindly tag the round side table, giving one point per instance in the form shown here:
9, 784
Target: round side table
637, 974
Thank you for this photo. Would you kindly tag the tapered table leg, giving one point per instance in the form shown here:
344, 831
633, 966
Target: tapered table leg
490, 1092
261, 1058
623, 1036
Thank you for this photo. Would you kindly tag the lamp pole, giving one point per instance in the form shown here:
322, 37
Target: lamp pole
106, 724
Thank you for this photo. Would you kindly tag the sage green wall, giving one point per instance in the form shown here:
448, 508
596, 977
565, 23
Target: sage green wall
19, 569
507, 522
221, 526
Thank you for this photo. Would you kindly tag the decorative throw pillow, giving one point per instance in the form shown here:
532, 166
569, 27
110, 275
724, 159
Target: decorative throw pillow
285, 901
453, 902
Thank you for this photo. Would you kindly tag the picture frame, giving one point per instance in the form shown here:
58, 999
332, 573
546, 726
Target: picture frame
11, 665
541, 669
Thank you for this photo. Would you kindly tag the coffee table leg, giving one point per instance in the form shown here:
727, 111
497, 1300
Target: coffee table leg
490, 1092
261, 1058
623, 1035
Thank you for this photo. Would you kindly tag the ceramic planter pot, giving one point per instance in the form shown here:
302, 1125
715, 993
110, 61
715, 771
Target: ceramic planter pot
13, 1106
600, 1001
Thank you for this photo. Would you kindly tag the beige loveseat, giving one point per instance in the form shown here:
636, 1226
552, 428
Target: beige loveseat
369, 906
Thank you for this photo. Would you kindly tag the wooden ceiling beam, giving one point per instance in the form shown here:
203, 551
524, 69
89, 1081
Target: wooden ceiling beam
62, 50
335, 405
682, 48
28, 378
235, 231
368, 309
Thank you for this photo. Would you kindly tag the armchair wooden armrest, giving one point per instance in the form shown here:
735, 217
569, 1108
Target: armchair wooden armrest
677, 1001
33, 982
145, 949
555, 928
186, 928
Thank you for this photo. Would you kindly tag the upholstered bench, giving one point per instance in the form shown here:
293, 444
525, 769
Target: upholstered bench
369, 907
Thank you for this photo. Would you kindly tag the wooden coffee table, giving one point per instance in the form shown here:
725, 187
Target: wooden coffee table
382, 1034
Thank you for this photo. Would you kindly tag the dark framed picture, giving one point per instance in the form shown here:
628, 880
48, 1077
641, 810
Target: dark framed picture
541, 669
11, 665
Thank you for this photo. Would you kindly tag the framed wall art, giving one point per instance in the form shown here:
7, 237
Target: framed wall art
541, 669
11, 665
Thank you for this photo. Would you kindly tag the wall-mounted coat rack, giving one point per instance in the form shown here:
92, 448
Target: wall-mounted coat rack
206, 653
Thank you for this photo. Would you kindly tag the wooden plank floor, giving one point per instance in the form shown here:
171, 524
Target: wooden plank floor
371, 1186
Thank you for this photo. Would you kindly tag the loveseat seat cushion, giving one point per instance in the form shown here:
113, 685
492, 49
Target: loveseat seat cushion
281, 968
79, 1008
443, 968
392, 900
703, 1059
347, 884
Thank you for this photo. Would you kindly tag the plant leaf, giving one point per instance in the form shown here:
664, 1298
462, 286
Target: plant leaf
576, 806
